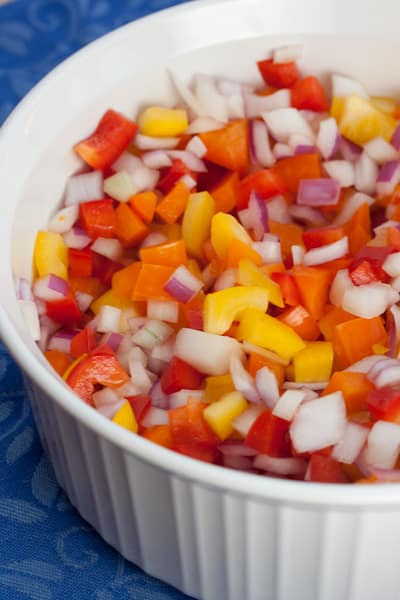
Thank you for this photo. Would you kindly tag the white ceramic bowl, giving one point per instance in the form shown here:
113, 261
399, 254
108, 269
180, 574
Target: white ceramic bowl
214, 533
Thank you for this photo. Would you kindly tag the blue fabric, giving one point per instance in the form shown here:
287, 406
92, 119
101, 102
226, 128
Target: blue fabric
47, 552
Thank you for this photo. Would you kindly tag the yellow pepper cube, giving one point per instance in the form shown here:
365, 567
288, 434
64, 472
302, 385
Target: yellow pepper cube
221, 308
110, 298
197, 222
384, 104
51, 254
250, 274
314, 363
224, 229
125, 417
361, 121
220, 414
263, 330
217, 386
157, 121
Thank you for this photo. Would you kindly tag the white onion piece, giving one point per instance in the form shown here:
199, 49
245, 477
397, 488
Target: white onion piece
351, 205
228, 87
192, 161
323, 254
105, 397
155, 416
301, 144
256, 105
204, 124
305, 385
307, 215
156, 159
109, 247
235, 107
23, 289
146, 142
391, 264
242, 380
127, 162
386, 372
145, 179
369, 301
253, 348
226, 280
287, 54
341, 170
196, 146
328, 138
340, 284
282, 151
383, 445
153, 239
110, 410
189, 181
244, 422
298, 253
269, 250
140, 376
284, 122
386, 475
288, 404
388, 177
84, 187
278, 210
153, 332
380, 150
364, 365
345, 86
83, 300
119, 186
281, 466
64, 219
187, 96
261, 147
61, 341
163, 310
178, 399
207, 95
50, 288
347, 450
128, 389
267, 386
76, 238
365, 174
31, 318
164, 351
134, 353
319, 423
108, 319
207, 352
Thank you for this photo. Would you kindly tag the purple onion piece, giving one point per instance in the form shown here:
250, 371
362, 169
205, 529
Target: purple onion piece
318, 192
395, 141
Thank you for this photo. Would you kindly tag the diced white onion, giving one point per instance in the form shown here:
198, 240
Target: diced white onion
108, 319
146, 142
288, 404
284, 122
383, 445
163, 310
347, 450
84, 188
109, 247
380, 150
206, 352
369, 301
323, 254
64, 219
341, 170
30, 316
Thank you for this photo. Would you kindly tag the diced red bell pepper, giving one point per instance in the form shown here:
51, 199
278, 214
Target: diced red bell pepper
308, 94
80, 262
366, 266
99, 367
178, 375
265, 182
83, 342
384, 404
171, 175
313, 238
65, 311
98, 218
111, 137
104, 268
289, 289
278, 75
325, 469
269, 435
140, 405
191, 434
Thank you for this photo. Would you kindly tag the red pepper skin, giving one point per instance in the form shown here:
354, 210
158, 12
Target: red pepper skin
83, 342
191, 434
80, 262
111, 137
278, 75
324, 469
289, 289
178, 375
172, 175
140, 405
367, 270
314, 238
384, 404
65, 311
269, 435
98, 218
266, 183
308, 94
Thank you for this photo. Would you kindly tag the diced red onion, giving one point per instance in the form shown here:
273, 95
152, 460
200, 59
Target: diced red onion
258, 215
282, 151
245, 218
183, 285
192, 161
287, 54
349, 150
318, 192
61, 341
50, 288
383, 445
304, 149
305, 385
31, 318
364, 365
113, 340
140, 376
260, 144
324, 254
269, 250
127, 351
64, 219
236, 448
23, 289
288, 404
180, 398
156, 159
84, 187
388, 177
108, 319
47, 328
164, 351
298, 253
153, 239
76, 238
301, 144
197, 147
307, 215
341, 283
155, 416
282, 466
245, 421
83, 300
153, 332
380, 150
385, 373
256, 105
395, 141
107, 398
204, 124
351, 205
241, 463
187, 96
319, 423
163, 310
127, 162
340, 170
242, 380
267, 387
145, 142
109, 247
110, 410
211, 100
278, 210
253, 348
369, 301
227, 279
386, 475
347, 450
366, 173
346, 86
328, 139
284, 122
207, 352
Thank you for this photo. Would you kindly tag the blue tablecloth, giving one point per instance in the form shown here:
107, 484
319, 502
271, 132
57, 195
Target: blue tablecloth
47, 552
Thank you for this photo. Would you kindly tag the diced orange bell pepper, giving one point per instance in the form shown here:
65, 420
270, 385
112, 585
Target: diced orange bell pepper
83, 342
171, 254
355, 339
229, 146
266, 183
355, 388
124, 280
300, 320
333, 316
289, 290
191, 435
151, 281
159, 434
60, 361
225, 193
313, 284
238, 251
173, 205
144, 205
358, 229
295, 168
87, 285
129, 228
289, 235
393, 238
257, 362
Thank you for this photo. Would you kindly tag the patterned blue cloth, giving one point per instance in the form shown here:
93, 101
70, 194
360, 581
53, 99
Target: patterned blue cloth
47, 552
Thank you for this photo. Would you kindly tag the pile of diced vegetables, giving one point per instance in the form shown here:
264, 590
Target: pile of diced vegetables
223, 278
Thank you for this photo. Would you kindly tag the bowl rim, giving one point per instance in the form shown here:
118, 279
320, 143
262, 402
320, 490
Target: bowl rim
209, 475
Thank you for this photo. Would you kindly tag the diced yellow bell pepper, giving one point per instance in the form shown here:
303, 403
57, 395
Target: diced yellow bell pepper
221, 308
385, 104
126, 418
314, 363
250, 274
217, 386
110, 298
263, 330
361, 121
197, 222
157, 121
224, 229
51, 254
220, 414
337, 105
